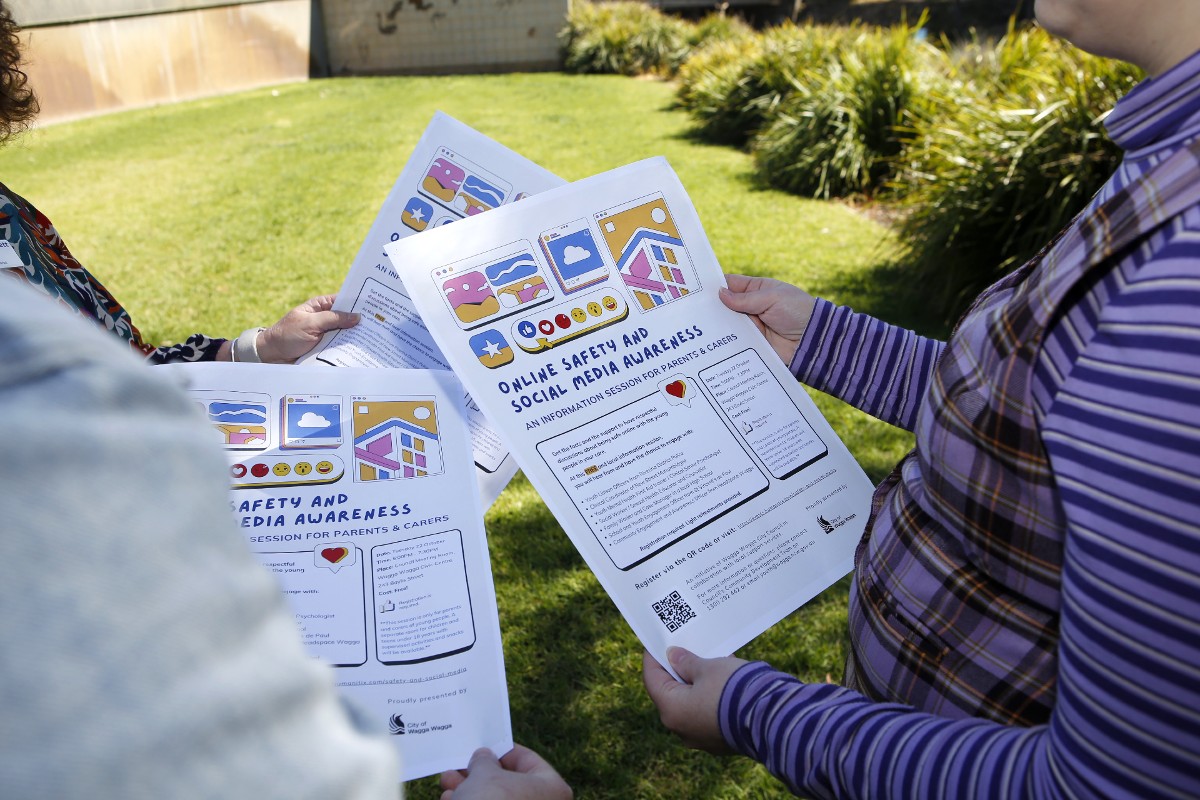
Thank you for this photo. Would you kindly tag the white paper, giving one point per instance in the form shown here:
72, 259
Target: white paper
454, 172
356, 489
690, 469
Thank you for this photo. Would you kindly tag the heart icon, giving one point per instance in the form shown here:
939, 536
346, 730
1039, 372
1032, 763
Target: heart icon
334, 554
676, 389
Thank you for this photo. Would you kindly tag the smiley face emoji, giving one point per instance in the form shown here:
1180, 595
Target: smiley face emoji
609, 302
324, 467
594, 309
578, 314
303, 468
281, 469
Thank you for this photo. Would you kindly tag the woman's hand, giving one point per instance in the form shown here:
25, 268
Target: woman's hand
301, 329
781, 311
520, 775
689, 709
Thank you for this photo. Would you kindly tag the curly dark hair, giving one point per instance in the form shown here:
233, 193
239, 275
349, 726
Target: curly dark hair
18, 104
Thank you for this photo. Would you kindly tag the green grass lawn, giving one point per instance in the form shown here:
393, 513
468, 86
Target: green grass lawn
220, 214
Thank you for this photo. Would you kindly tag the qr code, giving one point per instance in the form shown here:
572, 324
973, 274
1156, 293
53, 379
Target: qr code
674, 611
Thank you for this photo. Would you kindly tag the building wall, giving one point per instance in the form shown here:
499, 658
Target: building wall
84, 68
54, 12
88, 57
439, 36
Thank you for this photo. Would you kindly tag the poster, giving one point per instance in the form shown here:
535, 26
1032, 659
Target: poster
356, 489
690, 469
454, 173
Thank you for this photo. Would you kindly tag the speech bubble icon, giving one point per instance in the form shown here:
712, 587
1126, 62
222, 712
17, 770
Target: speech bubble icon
335, 555
677, 389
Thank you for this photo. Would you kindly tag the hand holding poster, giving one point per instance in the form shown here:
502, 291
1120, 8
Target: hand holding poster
692, 472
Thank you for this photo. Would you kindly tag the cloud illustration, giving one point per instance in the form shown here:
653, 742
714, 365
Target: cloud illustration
311, 420
574, 254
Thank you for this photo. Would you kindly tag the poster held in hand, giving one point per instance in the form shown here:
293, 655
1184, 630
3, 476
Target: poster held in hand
355, 488
689, 468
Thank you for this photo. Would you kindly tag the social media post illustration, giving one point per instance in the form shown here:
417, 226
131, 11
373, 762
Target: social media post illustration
395, 438
574, 257
652, 472
459, 185
422, 599
419, 213
763, 414
651, 257
240, 419
248, 425
311, 421
493, 285
326, 588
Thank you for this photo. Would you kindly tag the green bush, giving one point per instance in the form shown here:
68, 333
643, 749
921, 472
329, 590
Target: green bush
839, 132
1002, 157
718, 27
625, 38
730, 90
985, 149
706, 82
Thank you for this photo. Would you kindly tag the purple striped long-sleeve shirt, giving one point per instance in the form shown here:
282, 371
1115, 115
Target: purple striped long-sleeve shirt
1116, 396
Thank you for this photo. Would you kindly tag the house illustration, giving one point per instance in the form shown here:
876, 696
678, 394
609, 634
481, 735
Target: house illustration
652, 265
395, 449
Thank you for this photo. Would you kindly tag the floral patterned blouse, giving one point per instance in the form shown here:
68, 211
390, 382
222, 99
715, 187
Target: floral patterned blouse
30, 248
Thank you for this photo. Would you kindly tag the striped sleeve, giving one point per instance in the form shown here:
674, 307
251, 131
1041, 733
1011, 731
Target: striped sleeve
1122, 432
878, 368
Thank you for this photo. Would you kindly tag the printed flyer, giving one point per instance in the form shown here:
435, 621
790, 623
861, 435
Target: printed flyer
356, 489
690, 469
454, 173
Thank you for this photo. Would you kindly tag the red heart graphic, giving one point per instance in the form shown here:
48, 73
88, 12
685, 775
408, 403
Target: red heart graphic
676, 389
334, 554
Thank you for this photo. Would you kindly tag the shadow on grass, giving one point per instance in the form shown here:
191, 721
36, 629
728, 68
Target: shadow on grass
574, 674
525, 538
578, 698
713, 134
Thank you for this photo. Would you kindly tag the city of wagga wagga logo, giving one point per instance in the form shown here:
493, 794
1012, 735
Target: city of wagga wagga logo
399, 727
830, 525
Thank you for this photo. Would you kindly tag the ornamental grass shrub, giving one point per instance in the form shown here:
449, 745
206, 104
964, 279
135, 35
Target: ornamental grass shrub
839, 131
982, 151
708, 64
625, 38
715, 28
732, 89
1003, 153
